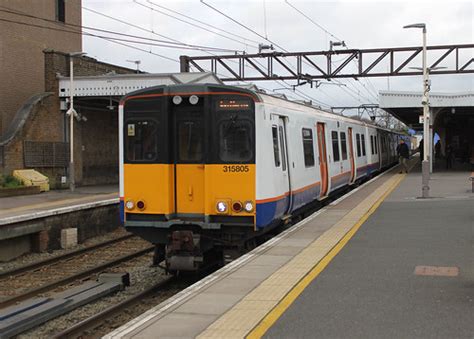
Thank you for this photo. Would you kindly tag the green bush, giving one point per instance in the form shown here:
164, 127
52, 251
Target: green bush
9, 181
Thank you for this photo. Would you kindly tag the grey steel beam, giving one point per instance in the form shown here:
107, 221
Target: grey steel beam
326, 68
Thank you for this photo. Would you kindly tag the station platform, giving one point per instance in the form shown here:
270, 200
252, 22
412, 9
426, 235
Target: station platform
27, 207
379, 262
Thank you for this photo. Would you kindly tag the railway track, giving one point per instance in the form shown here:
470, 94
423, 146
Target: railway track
31, 280
88, 325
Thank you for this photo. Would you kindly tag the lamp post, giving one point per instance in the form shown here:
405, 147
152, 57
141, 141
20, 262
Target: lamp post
72, 114
425, 164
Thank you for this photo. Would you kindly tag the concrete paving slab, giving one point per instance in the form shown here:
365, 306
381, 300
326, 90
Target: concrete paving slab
285, 250
188, 325
270, 260
209, 303
236, 285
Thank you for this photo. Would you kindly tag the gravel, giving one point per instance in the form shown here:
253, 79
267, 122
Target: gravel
34, 257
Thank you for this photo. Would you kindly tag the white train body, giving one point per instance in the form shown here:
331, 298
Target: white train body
291, 182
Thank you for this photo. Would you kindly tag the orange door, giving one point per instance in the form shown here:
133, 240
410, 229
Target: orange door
323, 162
351, 154
189, 162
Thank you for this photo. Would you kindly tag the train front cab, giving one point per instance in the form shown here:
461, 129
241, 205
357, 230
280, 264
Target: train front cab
188, 169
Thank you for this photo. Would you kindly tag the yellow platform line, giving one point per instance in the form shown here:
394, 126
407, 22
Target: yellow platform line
259, 310
59, 203
268, 321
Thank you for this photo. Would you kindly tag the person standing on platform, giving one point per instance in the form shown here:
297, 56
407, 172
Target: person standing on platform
403, 154
449, 156
438, 150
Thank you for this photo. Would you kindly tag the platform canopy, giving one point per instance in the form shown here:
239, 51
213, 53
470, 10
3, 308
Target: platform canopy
407, 107
118, 85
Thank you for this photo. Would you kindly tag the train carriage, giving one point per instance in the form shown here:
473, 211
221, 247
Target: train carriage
209, 167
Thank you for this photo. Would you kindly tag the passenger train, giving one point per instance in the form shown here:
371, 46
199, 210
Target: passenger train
211, 167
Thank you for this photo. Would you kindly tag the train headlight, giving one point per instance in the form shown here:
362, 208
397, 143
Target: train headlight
221, 207
177, 100
193, 99
130, 205
248, 206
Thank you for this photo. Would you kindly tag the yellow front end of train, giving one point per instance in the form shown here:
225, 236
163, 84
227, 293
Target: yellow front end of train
188, 170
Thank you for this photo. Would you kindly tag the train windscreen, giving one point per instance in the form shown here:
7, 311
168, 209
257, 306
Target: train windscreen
234, 124
143, 131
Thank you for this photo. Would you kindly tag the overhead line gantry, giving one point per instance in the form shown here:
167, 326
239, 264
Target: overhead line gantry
321, 64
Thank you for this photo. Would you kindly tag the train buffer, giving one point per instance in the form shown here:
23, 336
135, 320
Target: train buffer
380, 262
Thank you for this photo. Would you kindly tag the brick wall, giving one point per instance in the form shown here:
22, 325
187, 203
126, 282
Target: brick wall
45, 123
95, 140
21, 49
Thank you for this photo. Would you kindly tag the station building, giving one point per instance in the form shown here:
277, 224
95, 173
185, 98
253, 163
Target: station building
37, 38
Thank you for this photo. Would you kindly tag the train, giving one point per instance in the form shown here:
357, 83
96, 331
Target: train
209, 168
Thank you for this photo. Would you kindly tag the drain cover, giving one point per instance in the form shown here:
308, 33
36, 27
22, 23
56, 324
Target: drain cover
437, 271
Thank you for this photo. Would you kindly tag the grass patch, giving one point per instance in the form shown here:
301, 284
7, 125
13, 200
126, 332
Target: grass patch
9, 181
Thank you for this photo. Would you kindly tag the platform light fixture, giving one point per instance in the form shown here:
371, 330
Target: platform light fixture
72, 114
425, 165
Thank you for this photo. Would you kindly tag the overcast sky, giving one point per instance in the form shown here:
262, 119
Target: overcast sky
361, 24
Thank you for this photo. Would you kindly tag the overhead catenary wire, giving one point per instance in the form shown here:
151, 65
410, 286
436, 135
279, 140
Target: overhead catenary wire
149, 31
242, 25
193, 24
157, 42
336, 38
202, 22
314, 22
258, 34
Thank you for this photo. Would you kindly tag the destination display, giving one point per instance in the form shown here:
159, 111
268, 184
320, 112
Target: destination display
233, 104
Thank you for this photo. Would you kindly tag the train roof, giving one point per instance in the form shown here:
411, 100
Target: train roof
305, 108
253, 91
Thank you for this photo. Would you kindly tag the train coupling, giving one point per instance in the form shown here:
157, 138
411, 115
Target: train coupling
183, 252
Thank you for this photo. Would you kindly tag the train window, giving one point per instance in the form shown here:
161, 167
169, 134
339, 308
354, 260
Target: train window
372, 150
343, 146
335, 146
362, 141
190, 141
276, 147
283, 149
376, 146
308, 149
141, 140
358, 144
235, 142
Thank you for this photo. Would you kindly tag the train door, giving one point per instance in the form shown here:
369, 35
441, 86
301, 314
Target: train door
323, 162
351, 155
189, 150
285, 168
